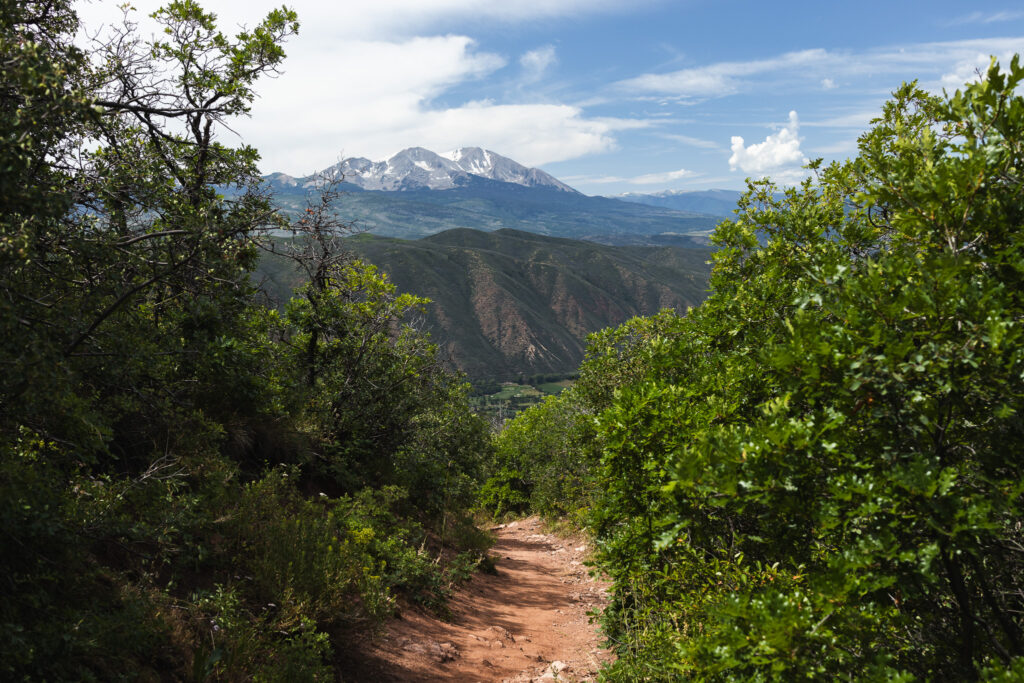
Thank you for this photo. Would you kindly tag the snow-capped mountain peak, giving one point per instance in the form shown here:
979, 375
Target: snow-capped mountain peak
417, 168
488, 164
472, 160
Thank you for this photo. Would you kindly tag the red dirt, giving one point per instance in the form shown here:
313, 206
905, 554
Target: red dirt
526, 623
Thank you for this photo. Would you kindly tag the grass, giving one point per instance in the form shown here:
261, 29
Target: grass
555, 388
515, 391
509, 400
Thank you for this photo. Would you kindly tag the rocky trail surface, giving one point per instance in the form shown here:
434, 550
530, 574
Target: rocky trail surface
528, 622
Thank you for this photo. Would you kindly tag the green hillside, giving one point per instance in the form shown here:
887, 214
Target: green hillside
511, 303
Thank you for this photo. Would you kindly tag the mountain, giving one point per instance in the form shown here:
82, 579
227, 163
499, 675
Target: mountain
715, 202
417, 168
509, 303
418, 193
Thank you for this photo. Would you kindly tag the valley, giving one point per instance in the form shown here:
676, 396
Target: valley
519, 266
508, 304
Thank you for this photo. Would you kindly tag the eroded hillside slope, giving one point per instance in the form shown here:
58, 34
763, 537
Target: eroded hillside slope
507, 303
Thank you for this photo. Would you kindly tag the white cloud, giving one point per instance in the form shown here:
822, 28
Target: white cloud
840, 148
390, 103
685, 83
858, 120
935, 64
403, 17
358, 81
536, 62
645, 179
987, 17
533, 134
971, 68
391, 19
369, 78
716, 80
779, 156
655, 178
326, 102
828, 84
691, 141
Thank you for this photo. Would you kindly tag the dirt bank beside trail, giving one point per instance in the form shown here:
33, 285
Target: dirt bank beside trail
526, 623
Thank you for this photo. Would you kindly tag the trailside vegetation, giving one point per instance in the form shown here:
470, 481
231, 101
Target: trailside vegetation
195, 486
816, 474
546, 460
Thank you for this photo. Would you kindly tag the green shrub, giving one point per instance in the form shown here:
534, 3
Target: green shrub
192, 484
63, 616
506, 491
818, 478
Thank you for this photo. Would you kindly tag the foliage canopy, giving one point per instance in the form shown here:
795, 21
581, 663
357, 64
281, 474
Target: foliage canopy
815, 474
827, 450
191, 483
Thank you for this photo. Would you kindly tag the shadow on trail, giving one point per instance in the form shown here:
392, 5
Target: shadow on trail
520, 584
534, 597
514, 544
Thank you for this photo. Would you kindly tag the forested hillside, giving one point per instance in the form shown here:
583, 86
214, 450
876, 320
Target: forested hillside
506, 304
194, 486
816, 474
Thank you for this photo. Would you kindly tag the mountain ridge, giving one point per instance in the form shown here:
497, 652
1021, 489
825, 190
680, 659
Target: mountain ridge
417, 193
509, 303
715, 202
483, 204
418, 168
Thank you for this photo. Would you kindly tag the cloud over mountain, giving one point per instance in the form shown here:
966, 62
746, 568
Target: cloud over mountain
779, 156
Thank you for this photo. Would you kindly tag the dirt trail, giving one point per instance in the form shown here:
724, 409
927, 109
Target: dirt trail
526, 623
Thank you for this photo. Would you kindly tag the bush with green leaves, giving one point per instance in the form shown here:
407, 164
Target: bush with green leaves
819, 475
378, 405
193, 485
545, 459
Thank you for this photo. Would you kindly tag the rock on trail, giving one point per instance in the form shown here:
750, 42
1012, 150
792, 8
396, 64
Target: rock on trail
527, 623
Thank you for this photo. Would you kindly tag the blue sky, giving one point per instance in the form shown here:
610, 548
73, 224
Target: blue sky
610, 96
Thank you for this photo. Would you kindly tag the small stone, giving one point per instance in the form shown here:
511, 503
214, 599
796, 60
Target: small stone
442, 652
558, 666
445, 652
501, 635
